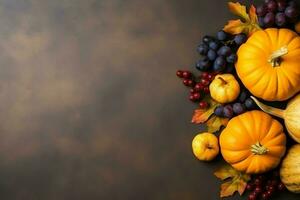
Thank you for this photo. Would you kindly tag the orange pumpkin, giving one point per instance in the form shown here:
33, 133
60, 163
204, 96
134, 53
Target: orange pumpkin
253, 142
269, 64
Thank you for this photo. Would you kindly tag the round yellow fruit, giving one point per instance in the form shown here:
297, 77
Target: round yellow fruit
205, 146
224, 88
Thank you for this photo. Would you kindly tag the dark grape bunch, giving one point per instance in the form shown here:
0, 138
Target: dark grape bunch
198, 85
241, 105
277, 13
265, 186
219, 53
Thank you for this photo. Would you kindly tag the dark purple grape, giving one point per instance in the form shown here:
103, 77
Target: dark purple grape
238, 108
249, 103
214, 45
211, 55
219, 111
222, 35
228, 111
291, 12
202, 49
206, 39
203, 64
219, 64
261, 10
232, 58
272, 6
269, 19
240, 38
243, 96
281, 5
280, 19
224, 51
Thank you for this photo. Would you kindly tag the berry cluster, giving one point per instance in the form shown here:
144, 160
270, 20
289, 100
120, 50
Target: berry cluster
241, 105
218, 53
199, 86
277, 13
265, 186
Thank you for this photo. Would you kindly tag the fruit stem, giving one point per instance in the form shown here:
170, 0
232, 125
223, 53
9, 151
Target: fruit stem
258, 149
268, 109
275, 58
223, 81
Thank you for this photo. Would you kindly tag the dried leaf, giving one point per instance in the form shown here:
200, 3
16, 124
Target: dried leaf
215, 123
237, 180
239, 10
202, 115
248, 23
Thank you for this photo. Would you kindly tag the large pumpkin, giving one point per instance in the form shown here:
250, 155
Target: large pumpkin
253, 142
290, 169
269, 64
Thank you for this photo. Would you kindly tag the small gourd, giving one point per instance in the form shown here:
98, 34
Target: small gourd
224, 88
291, 115
290, 169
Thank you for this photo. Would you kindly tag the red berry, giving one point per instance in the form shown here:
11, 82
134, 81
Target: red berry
204, 82
191, 83
258, 190
206, 90
257, 181
186, 74
197, 96
204, 75
210, 77
192, 90
191, 97
265, 196
179, 73
272, 188
270, 193
198, 87
281, 187
251, 197
185, 82
203, 104
274, 182
249, 186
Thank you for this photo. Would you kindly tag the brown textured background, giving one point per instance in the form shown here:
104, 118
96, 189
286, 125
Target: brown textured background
90, 107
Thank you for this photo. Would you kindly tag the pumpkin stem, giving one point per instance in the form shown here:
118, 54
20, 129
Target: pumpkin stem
275, 58
268, 109
223, 81
258, 149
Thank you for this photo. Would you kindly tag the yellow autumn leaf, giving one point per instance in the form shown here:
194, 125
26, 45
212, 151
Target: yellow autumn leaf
215, 123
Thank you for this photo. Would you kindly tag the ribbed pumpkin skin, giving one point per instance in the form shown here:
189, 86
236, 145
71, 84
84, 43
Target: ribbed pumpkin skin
290, 169
259, 76
247, 129
291, 113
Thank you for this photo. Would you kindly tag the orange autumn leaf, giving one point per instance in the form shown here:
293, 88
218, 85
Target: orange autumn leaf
237, 181
215, 123
202, 115
239, 10
248, 23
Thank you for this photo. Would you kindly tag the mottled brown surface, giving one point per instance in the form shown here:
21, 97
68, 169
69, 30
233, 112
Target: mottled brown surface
90, 106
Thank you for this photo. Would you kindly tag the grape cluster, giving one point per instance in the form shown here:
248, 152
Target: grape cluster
241, 105
277, 13
218, 53
199, 86
265, 186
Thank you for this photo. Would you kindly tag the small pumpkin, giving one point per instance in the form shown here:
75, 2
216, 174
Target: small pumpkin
253, 142
269, 64
290, 169
291, 115
224, 88
205, 146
